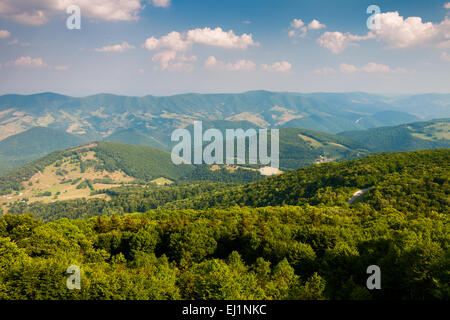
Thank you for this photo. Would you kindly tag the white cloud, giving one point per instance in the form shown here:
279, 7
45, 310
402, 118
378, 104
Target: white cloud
27, 62
241, 65
299, 29
211, 62
445, 56
375, 67
395, 32
337, 41
4, 34
347, 68
281, 66
217, 37
160, 3
246, 65
35, 18
164, 58
315, 25
172, 41
297, 23
220, 38
38, 12
370, 67
124, 46
171, 61
447, 5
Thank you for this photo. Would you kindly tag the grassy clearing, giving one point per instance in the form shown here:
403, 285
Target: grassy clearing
61, 181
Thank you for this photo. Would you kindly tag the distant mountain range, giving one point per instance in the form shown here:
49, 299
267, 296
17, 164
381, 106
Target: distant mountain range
298, 147
111, 117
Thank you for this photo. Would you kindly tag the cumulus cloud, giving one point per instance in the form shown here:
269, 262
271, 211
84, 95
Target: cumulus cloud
337, 41
241, 65
220, 38
370, 67
172, 41
347, 68
206, 36
124, 46
395, 32
315, 25
38, 12
281, 66
447, 5
297, 23
211, 37
27, 62
4, 34
298, 28
164, 58
171, 60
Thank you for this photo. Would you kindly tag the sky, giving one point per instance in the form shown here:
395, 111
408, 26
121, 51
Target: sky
165, 47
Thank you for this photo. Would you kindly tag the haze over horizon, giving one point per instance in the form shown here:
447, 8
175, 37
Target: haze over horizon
225, 93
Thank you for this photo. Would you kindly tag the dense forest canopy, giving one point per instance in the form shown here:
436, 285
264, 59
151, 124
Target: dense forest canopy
294, 236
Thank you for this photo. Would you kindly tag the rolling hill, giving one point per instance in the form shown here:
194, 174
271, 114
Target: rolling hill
298, 147
294, 236
407, 180
409, 137
301, 147
100, 116
88, 170
32, 144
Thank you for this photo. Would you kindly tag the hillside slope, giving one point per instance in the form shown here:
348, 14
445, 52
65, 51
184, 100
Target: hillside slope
409, 137
34, 143
407, 181
87, 171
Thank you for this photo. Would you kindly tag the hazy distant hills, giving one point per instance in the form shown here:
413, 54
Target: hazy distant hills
32, 144
298, 147
105, 115
409, 137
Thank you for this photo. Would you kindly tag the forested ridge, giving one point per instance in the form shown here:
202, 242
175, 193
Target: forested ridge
409, 181
140, 162
292, 236
407, 137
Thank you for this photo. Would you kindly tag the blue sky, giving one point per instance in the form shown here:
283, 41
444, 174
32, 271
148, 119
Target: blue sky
161, 47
